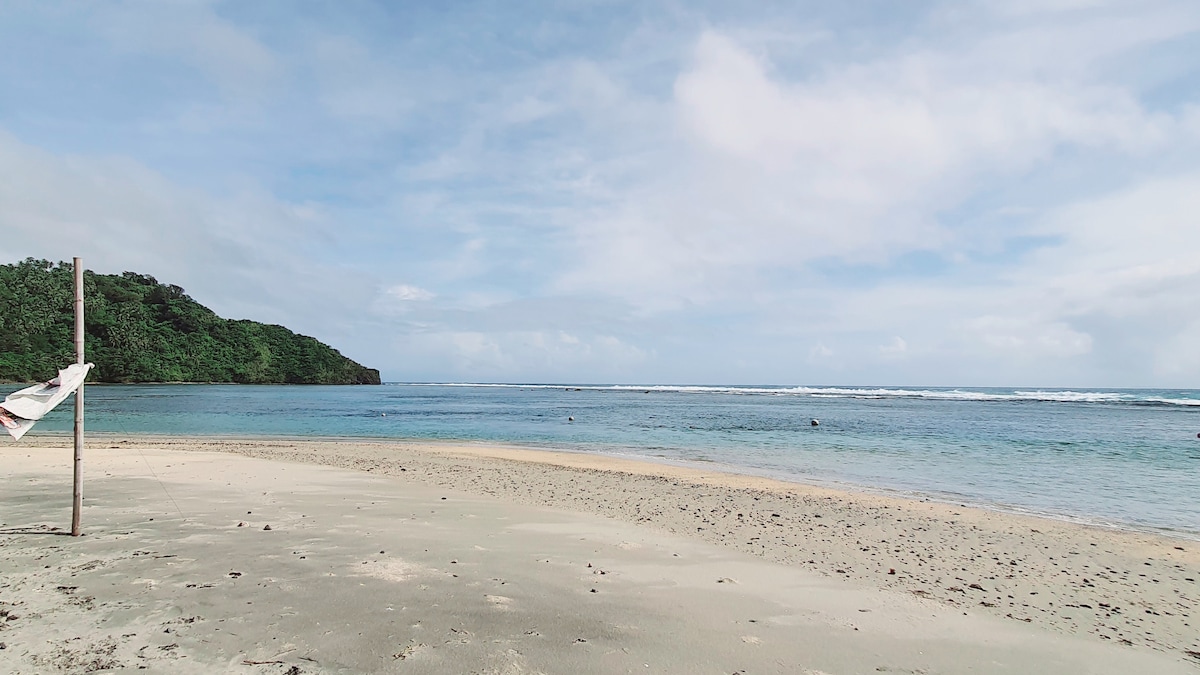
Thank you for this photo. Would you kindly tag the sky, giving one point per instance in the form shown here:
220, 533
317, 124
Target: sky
966, 193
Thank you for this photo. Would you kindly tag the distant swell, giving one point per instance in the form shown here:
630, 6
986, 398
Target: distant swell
1190, 398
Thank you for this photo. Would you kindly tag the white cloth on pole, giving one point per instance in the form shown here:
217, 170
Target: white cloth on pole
22, 408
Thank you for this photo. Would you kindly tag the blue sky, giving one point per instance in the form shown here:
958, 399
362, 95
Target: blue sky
925, 193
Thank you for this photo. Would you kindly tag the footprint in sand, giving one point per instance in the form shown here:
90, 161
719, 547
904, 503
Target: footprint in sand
408, 651
499, 602
392, 570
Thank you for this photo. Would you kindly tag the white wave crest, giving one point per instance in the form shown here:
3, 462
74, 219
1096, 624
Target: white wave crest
1062, 396
1174, 401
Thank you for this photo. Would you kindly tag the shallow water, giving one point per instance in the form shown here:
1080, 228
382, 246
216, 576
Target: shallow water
1124, 457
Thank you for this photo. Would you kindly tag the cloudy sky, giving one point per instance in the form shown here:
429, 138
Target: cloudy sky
999, 192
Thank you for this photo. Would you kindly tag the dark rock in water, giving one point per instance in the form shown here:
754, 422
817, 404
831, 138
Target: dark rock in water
816, 422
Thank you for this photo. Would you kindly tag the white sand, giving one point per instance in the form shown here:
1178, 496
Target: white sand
692, 571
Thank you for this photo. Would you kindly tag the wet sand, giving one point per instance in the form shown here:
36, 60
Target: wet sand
454, 558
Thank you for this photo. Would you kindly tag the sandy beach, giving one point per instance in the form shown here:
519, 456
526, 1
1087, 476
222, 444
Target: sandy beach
293, 557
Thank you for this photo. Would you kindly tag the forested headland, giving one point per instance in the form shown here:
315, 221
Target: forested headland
139, 330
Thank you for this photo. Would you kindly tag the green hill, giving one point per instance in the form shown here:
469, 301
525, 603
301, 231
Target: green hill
139, 330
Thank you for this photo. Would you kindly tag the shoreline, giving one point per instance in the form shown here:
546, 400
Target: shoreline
1116, 586
701, 465
272, 557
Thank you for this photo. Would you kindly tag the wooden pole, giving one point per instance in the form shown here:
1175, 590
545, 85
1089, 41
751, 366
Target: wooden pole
77, 493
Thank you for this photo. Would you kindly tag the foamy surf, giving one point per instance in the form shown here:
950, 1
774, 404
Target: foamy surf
957, 394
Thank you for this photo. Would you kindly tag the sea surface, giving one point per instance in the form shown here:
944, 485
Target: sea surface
1126, 458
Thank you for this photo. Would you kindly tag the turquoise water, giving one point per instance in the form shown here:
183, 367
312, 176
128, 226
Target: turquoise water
1129, 458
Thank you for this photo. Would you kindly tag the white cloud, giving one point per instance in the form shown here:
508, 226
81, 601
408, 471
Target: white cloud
1028, 7
407, 293
1137, 235
244, 257
531, 355
1030, 339
231, 56
819, 352
358, 87
855, 160
897, 347
1010, 186
1178, 357
400, 299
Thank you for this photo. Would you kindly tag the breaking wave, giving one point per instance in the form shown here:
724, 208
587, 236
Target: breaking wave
1190, 398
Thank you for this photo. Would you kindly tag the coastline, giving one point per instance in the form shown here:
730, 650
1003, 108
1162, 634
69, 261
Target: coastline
643, 463
1099, 585
1046, 457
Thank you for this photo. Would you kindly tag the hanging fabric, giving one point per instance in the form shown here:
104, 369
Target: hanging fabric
21, 409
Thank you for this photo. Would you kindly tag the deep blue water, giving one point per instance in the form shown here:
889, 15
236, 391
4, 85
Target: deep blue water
1124, 457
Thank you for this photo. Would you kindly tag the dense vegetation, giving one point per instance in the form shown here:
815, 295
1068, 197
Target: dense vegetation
138, 330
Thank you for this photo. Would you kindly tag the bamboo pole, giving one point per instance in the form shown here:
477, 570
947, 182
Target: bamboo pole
77, 493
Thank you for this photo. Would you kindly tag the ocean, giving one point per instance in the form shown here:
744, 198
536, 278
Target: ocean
1123, 458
